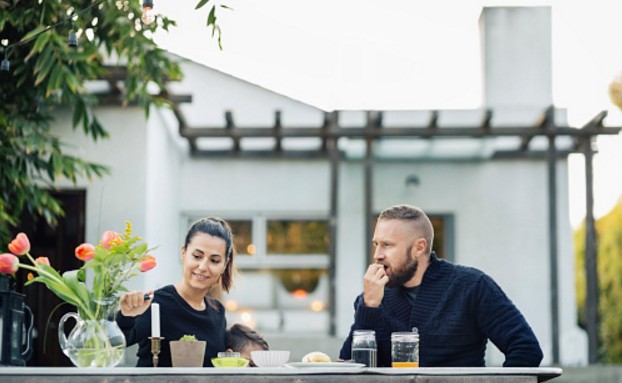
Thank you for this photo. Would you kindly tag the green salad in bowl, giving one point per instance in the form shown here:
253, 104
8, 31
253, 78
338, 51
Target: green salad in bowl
229, 360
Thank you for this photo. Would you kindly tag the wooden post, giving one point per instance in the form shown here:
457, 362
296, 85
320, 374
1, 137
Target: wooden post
549, 123
333, 150
591, 269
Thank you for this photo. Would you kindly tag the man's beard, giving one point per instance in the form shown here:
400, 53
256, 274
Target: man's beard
404, 272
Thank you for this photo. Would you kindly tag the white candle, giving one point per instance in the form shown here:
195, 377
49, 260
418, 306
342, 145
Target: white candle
155, 320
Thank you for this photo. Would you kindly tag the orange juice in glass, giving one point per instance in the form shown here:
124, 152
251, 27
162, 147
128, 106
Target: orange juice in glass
405, 349
404, 364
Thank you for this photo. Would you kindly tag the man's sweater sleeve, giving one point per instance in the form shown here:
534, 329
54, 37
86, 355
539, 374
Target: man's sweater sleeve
371, 318
501, 321
364, 318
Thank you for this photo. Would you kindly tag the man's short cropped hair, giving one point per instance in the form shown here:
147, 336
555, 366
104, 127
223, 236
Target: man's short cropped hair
415, 215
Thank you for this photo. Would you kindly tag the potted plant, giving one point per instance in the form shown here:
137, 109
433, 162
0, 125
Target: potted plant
187, 351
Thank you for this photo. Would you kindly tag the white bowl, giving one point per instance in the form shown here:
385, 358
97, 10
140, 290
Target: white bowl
269, 358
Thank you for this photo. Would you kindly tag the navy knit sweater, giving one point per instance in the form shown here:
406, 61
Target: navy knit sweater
456, 311
177, 318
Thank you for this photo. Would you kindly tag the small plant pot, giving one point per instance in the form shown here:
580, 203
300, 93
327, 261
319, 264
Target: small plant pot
187, 354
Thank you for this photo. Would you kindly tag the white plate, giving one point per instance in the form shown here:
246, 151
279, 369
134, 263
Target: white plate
324, 364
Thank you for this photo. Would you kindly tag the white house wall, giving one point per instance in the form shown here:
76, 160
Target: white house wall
111, 200
214, 92
254, 186
142, 186
164, 160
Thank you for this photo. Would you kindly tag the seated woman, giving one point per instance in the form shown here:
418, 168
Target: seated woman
186, 308
243, 339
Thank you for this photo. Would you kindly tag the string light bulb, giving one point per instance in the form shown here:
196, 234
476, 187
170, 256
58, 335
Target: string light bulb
72, 41
6, 64
148, 16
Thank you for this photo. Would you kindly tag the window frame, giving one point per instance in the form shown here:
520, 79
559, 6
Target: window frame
259, 237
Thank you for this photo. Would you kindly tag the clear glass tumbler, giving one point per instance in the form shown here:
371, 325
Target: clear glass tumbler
405, 349
364, 347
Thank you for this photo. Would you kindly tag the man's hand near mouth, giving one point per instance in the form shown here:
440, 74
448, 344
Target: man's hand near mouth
373, 284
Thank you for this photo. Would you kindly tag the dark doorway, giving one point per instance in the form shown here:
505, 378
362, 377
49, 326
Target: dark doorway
58, 245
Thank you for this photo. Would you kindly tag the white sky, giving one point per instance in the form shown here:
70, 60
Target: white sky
407, 54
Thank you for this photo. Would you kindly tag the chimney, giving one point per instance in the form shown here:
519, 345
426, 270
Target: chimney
516, 45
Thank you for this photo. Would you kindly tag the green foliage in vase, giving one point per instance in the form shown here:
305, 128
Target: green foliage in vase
609, 264
46, 75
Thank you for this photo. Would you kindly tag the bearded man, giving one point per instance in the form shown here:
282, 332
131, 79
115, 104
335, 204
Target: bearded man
456, 309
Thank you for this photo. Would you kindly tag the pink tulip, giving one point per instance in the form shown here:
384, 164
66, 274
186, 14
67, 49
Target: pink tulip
147, 263
43, 260
85, 252
109, 239
20, 245
9, 263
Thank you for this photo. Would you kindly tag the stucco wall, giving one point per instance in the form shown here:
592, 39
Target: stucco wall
113, 199
142, 186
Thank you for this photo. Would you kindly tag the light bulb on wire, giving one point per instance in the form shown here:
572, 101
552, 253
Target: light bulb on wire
6, 64
72, 41
148, 16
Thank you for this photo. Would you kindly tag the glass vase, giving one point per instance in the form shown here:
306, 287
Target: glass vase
96, 340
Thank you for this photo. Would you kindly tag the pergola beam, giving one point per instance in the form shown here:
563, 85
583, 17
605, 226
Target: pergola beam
453, 132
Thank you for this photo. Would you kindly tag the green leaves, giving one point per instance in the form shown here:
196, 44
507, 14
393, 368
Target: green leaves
201, 4
609, 256
33, 33
212, 19
77, 286
68, 287
45, 75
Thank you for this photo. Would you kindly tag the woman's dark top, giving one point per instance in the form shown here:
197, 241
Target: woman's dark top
177, 318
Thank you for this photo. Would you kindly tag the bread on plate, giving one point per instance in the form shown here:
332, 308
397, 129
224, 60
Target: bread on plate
316, 357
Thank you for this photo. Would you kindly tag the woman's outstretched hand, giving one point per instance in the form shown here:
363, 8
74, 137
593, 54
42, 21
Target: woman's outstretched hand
133, 303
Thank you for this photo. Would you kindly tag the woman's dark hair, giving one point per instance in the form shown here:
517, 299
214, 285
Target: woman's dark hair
239, 336
216, 227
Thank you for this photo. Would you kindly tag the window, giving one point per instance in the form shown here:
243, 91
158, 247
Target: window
280, 301
297, 237
282, 284
443, 245
243, 236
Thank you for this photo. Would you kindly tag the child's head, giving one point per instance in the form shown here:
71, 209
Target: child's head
243, 339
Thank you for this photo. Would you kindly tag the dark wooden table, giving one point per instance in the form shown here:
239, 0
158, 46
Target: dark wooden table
281, 374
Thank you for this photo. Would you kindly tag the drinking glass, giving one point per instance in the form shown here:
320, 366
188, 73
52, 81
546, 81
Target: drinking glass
405, 349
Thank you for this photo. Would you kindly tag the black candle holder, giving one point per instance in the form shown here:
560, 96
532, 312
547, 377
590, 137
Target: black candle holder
155, 348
